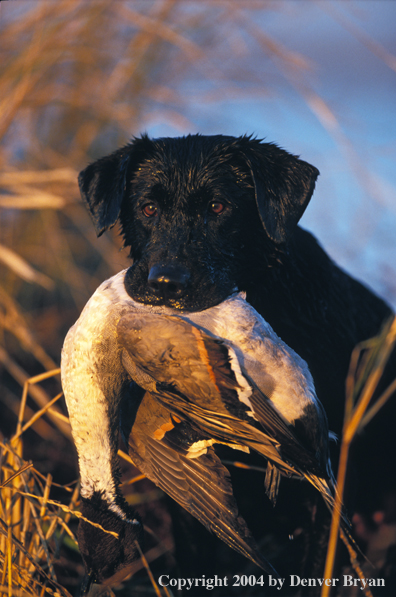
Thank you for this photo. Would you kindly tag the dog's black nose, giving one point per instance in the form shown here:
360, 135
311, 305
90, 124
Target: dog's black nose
168, 281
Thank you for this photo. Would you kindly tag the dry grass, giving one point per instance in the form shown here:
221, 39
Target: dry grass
367, 365
77, 79
35, 529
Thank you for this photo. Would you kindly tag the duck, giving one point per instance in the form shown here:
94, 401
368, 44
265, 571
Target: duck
102, 398
226, 372
218, 376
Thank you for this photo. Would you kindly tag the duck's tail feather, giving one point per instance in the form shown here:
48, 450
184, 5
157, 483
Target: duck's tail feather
328, 491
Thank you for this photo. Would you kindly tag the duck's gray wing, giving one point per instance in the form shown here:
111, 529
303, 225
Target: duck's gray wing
198, 377
158, 444
299, 457
195, 376
293, 451
192, 375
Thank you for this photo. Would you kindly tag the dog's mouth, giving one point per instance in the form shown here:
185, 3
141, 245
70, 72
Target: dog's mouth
173, 286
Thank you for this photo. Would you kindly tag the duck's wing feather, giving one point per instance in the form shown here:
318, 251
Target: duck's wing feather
194, 378
272, 423
224, 428
201, 485
198, 377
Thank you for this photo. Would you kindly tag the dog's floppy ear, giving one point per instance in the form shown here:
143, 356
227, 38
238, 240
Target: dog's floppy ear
283, 186
103, 183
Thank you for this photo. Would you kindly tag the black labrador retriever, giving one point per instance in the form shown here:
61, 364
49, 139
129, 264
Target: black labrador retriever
204, 215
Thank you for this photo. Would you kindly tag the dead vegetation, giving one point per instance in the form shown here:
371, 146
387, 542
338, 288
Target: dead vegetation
37, 537
38, 548
77, 80
33, 527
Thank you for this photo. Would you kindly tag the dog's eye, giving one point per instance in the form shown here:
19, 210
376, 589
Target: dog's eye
216, 207
149, 210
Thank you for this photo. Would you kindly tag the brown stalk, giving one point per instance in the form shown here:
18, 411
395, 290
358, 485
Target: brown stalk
359, 394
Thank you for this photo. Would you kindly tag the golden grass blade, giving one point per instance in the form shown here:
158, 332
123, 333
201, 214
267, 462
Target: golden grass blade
38, 176
42, 545
28, 382
58, 415
25, 198
72, 506
248, 467
134, 480
22, 268
21, 470
45, 496
38, 394
371, 384
65, 509
64, 487
4, 530
125, 456
14, 322
167, 592
40, 413
361, 384
150, 574
15, 592
43, 376
9, 561
373, 45
388, 393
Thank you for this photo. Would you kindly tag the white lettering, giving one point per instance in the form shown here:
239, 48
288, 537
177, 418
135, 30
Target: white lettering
187, 583
348, 580
274, 582
362, 583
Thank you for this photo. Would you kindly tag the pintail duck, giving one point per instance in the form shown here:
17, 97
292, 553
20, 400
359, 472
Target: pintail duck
217, 376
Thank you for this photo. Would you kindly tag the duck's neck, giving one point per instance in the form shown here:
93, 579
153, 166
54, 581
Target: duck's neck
93, 379
94, 422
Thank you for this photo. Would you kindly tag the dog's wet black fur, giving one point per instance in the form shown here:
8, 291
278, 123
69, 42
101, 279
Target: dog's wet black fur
206, 215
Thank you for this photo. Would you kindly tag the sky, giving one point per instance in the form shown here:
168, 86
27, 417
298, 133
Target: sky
337, 109
351, 52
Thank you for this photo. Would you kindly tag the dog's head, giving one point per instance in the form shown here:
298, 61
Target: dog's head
197, 212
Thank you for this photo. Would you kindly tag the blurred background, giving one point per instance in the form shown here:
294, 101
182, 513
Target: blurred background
79, 78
